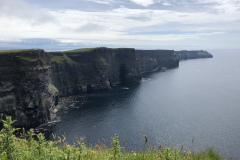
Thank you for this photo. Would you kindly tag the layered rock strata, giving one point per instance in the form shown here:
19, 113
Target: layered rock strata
31, 81
25, 91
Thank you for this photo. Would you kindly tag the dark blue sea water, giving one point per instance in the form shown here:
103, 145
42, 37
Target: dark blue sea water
200, 99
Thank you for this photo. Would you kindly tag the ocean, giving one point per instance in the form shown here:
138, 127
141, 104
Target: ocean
200, 99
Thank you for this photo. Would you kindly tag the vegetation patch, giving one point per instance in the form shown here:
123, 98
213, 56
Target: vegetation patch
52, 89
62, 59
27, 58
15, 51
101, 60
29, 148
80, 50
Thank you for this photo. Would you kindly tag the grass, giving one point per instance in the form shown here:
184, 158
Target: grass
52, 89
24, 57
29, 148
74, 57
80, 50
62, 59
70, 51
16, 50
100, 60
27, 58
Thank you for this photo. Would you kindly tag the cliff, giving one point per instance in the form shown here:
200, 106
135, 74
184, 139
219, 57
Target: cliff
87, 70
31, 81
25, 91
183, 55
151, 60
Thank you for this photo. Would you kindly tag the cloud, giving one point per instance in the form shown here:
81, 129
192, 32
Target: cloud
227, 6
220, 5
144, 3
90, 28
22, 10
39, 40
107, 2
166, 4
118, 26
139, 18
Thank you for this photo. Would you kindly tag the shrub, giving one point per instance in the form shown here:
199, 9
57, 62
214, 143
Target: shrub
7, 139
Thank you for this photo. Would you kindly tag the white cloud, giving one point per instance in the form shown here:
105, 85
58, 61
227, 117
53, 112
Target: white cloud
10, 40
227, 6
90, 28
118, 26
113, 23
107, 2
221, 5
144, 3
22, 10
166, 4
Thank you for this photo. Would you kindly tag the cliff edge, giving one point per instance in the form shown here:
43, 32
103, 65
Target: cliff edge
183, 55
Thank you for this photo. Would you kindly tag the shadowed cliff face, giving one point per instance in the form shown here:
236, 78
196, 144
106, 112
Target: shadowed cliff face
32, 80
151, 60
80, 71
183, 55
25, 92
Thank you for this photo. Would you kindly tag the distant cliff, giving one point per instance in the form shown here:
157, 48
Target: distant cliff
31, 81
150, 60
183, 55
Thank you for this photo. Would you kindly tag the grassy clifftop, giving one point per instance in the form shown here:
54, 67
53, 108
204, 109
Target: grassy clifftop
21, 57
15, 51
80, 50
83, 56
61, 58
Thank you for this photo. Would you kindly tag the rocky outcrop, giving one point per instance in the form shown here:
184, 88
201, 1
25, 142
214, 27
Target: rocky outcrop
31, 81
183, 55
152, 60
25, 91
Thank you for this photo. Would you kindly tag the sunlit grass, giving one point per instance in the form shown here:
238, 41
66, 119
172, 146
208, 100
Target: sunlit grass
80, 50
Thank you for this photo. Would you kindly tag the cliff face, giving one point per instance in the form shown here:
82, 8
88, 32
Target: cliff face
25, 92
32, 80
183, 55
87, 70
156, 59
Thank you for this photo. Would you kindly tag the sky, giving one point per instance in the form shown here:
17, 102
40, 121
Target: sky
140, 24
